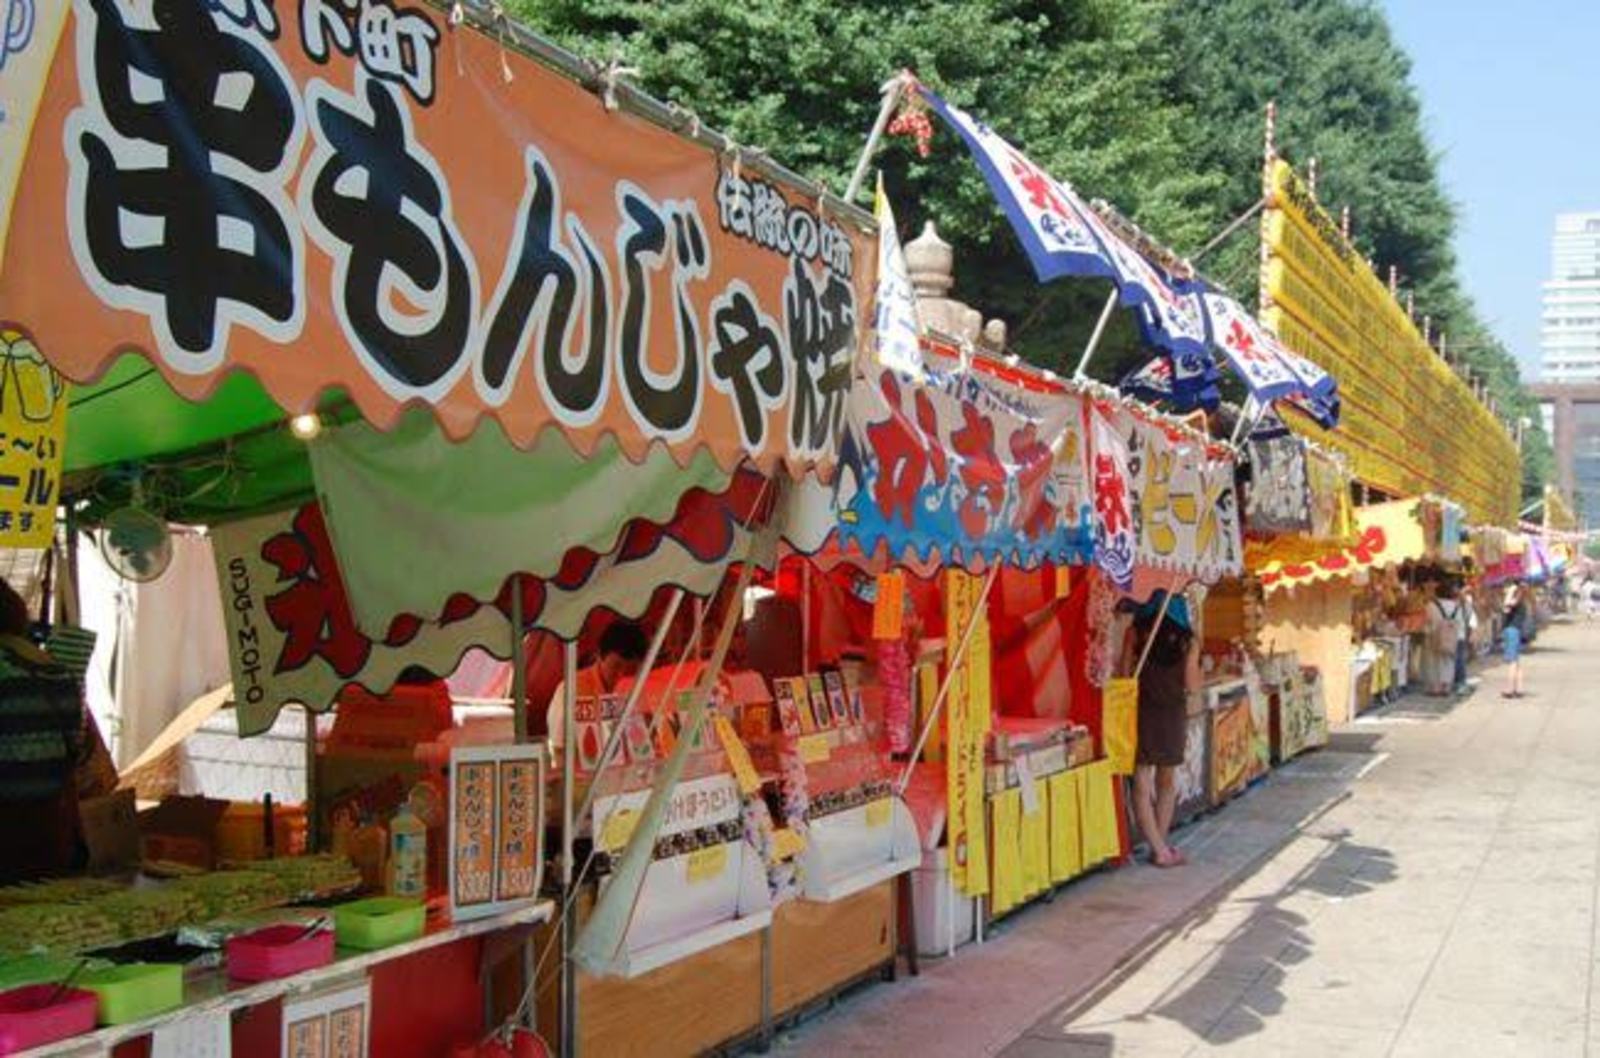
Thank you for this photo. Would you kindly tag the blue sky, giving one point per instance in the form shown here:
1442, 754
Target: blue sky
1511, 98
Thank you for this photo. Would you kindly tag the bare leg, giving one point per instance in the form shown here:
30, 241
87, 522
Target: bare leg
1144, 811
1166, 799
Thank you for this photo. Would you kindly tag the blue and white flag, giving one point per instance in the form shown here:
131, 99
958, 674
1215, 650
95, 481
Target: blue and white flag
1179, 323
1250, 349
1150, 383
1063, 236
1048, 215
897, 330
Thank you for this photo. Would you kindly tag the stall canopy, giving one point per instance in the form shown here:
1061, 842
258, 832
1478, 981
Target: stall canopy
1387, 535
448, 223
630, 329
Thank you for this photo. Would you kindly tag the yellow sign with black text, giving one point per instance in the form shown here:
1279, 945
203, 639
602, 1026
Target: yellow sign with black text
1409, 426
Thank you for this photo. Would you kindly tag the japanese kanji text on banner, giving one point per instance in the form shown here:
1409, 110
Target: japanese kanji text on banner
33, 422
326, 197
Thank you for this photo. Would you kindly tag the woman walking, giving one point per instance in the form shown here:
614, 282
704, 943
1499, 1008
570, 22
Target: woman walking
1514, 611
1171, 674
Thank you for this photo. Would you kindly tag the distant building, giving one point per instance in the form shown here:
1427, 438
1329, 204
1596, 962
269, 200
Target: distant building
1571, 413
1569, 336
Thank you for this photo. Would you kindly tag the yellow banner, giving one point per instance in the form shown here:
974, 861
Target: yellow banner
33, 427
1119, 723
1409, 425
968, 721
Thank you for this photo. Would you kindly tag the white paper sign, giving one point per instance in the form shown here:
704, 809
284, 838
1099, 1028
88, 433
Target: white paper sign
1030, 789
206, 1036
333, 1024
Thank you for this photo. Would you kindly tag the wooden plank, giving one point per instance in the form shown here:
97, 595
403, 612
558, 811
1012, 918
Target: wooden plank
818, 947
685, 1008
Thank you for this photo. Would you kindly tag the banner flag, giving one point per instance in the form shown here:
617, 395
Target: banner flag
896, 329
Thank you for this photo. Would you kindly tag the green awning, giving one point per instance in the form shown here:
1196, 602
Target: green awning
196, 462
132, 415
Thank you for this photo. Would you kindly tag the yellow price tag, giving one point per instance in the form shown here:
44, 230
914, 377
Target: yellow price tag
707, 863
787, 844
618, 828
814, 749
878, 812
738, 757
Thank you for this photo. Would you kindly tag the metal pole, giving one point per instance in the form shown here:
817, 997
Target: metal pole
949, 676
1240, 428
891, 92
569, 983
805, 614
519, 668
1233, 226
1099, 331
312, 842
1161, 615
634, 694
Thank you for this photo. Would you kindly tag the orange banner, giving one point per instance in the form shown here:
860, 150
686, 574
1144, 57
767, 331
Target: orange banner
362, 196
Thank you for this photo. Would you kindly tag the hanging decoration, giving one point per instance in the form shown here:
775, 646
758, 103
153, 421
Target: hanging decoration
1116, 536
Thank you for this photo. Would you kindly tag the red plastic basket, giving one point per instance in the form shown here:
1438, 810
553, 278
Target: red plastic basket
278, 951
28, 1018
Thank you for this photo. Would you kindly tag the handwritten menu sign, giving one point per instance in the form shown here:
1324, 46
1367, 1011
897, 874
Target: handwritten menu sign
496, 831
330, 1024
519, 831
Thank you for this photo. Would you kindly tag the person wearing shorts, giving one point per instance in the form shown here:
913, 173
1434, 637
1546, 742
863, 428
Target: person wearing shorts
1514, 611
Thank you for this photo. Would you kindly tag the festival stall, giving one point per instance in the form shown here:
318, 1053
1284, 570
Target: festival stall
633, 457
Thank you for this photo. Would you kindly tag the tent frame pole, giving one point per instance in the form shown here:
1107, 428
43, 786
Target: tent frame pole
569, 980
956, 659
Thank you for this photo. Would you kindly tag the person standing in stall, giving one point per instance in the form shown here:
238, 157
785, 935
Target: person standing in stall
1170, 677
1443, 636
51, 754
623, 646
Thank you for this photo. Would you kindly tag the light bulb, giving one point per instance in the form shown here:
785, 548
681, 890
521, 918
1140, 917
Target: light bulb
306, 427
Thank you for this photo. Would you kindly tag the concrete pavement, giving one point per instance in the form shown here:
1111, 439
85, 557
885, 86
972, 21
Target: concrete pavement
1426, 885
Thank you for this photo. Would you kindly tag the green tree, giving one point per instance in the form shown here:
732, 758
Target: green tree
1155, 105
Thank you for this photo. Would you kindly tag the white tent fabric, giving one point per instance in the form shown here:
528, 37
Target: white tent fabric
161, 644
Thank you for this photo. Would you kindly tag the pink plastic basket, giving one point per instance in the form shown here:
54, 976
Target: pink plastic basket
29, 1019
278, 951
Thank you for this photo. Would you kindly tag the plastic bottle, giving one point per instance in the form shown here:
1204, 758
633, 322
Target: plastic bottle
408, 854
369, 851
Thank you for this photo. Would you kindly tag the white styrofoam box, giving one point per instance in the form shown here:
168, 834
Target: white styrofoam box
945, 919
859, 847
671, 906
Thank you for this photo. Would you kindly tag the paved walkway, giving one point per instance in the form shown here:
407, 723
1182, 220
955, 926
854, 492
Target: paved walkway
1427, 885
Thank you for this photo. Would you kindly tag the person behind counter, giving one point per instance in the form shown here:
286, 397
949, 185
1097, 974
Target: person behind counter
51, 755
623, 646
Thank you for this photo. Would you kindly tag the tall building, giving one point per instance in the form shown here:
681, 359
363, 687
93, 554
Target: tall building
1569, 338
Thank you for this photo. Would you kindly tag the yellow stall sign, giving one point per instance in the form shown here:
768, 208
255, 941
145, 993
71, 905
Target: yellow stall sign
1410, 426
33, 423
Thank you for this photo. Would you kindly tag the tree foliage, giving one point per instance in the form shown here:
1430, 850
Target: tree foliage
1155, 105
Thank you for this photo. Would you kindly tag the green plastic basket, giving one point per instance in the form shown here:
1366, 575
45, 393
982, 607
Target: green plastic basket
379, 922
134, 990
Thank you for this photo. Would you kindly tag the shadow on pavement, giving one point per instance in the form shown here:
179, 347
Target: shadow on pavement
1345, 871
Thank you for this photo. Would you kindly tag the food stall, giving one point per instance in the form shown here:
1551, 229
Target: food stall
193, 413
